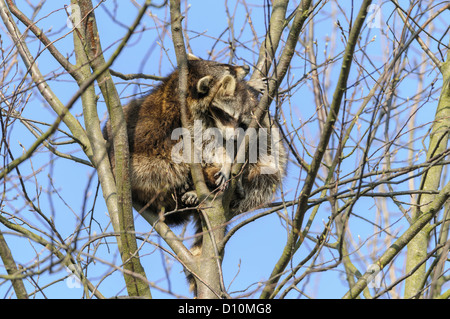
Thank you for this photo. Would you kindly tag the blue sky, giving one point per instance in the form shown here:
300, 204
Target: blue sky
250, 254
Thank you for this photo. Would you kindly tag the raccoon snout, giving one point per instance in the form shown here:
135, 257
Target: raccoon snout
242, 71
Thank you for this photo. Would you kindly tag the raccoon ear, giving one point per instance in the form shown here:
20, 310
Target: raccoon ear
203, 84
228, 85
192, 57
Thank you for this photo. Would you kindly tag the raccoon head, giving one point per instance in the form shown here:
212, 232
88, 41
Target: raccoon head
212, 81
231, 107
215, 69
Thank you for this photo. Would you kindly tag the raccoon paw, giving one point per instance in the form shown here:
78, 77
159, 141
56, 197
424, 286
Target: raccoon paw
259, 85
190, 198
221, 179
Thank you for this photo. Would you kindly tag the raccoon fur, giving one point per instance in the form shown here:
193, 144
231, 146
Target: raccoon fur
263, 170
218, 97
158, 182
262, 178
265, 167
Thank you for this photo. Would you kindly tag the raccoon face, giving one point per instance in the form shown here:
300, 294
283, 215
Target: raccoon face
241, 71
220, 97
217, 70
229, 108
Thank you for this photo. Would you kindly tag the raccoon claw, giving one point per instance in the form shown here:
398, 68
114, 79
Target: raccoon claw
190, 198
220, 179
259, 85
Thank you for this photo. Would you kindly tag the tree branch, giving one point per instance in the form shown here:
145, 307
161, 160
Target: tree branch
45, 90
417, 248
209, 263
71, 69
121, 213
431, 211
11, 268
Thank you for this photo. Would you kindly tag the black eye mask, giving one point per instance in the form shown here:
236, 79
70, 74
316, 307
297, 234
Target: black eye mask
221, 115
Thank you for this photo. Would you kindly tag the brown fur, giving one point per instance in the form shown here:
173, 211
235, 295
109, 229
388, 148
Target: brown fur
157, 181
217, 96
258, 187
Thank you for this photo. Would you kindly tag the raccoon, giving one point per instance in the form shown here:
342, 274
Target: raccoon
263, 170
158, 182
218, 98
232, 116
265, 167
